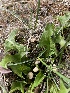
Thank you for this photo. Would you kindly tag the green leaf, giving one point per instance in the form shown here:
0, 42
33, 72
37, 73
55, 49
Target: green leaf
26, 69
53, 89
11, 44
45, 38
12, 35
62, 42
8, 59
17, 85
22, 50
57, 38
10, 41
39, 78
64, 19
15, 46
52, 48
65, 79
19, 69
62, 88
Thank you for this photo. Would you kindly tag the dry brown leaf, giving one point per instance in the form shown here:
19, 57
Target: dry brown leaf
4, 71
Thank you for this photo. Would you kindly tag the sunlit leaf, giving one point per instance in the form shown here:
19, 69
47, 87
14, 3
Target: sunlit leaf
64, 19
8, 59
65, 79
63, 88
45, 38
53, 89
62, 42
10, 43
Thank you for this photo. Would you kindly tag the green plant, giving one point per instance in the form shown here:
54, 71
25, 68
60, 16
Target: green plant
17, 60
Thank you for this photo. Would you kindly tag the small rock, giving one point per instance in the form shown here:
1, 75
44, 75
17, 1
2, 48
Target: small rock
33, 39
37, 62
35, 69
50, 2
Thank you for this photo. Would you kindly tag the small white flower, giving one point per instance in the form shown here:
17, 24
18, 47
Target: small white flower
35, 69
30, 75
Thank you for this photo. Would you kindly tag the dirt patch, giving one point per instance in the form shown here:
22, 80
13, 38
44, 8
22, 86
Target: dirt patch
22, 15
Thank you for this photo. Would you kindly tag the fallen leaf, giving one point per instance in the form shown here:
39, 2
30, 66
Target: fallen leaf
4, 70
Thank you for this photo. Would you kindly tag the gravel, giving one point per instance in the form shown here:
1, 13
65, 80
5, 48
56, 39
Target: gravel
16, 14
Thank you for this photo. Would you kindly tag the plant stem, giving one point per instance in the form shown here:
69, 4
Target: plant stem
47, 85
67, 80
42, 62
37, 14
55, 83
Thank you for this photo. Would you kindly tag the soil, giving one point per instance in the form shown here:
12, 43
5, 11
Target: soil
17, 14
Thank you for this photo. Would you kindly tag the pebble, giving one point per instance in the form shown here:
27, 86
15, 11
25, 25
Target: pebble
35, 69
37, 62
17, 24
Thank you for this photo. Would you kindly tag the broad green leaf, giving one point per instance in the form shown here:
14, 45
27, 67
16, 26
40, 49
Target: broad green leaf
64, 19
26, 69
10, 41
68, 90
39, 78
17, 85
49, 29
11, 44
53, 89
8, 59
62, 88
22, 50
57, 35
65, 79
15, 46
19, 69
62, 42
45, 38
57, 38
12, 35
